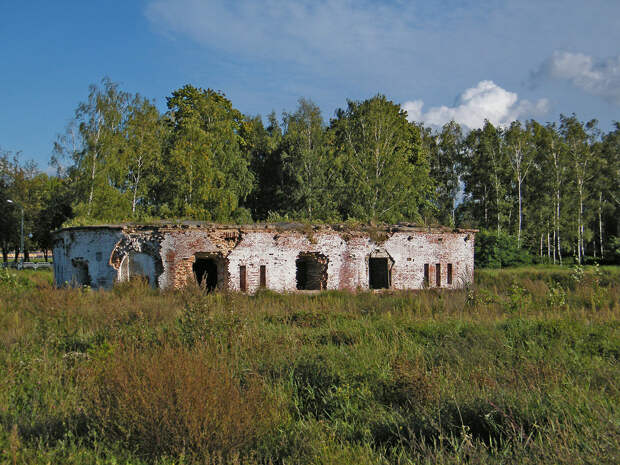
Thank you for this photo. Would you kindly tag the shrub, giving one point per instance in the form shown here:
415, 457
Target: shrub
614, 252
556, 299
497, 250
12, 281
7, 279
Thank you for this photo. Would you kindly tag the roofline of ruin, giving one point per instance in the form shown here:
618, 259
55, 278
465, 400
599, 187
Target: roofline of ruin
290, 226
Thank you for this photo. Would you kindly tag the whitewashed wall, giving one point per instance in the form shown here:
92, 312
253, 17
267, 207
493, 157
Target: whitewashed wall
92, 246
172, 251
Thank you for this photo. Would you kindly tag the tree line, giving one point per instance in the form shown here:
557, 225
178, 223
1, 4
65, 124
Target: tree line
549, 189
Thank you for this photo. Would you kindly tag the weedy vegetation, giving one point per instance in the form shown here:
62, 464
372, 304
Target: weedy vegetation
520, 368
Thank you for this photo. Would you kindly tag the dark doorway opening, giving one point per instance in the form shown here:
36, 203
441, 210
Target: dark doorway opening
311, 272
205, 270
379, 273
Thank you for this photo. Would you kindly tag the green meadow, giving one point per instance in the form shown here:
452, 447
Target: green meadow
520, 368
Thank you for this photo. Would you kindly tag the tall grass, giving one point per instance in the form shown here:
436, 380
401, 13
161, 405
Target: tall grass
177, 400
520, 368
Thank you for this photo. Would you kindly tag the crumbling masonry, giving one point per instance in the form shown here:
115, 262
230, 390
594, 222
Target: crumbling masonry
282, 257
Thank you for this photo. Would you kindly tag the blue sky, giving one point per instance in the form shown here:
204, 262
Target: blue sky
442, 60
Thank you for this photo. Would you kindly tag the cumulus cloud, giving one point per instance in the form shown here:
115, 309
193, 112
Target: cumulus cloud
355, 48
595, 76
486, 100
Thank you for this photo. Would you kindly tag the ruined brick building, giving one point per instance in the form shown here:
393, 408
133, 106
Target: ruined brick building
281, 257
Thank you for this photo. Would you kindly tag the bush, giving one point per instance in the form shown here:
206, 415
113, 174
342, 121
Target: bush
7, 279
498, 250
614, 252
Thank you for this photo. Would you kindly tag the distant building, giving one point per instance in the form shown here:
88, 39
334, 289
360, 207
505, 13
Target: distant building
282, 257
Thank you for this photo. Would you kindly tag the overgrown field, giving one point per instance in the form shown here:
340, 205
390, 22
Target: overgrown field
521, 368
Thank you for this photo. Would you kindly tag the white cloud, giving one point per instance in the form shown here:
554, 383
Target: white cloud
485, 101
597, 77
284, 29
332, 49
362, 39
413, 109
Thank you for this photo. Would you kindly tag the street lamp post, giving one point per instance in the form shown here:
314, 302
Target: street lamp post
21, 235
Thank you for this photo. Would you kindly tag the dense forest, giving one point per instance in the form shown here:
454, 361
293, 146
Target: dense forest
538, 192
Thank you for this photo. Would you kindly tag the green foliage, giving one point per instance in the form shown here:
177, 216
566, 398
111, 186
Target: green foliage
141, 159
545, 185
554, 187
446, 151
264, 148
614, 245
29, 192
311, 169
577, 273
7, 278
55, 209
498, 250
519, 299
386, 170
557, 296
486, 177
517, 373
96, 139
206, 174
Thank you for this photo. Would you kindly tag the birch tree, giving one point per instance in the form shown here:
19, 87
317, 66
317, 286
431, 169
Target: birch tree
207, 173
91, 144
521, 155
553, 171
309, 164
386, 172
100, 121
607, 184
486, 172
577, 138
445, 162
144, 136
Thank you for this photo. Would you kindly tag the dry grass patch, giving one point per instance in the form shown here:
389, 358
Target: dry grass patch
178, 401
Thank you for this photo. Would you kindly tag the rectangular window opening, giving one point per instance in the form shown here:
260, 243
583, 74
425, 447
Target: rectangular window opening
426, 275
263, 276
243, 283
438, 275
449, 273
